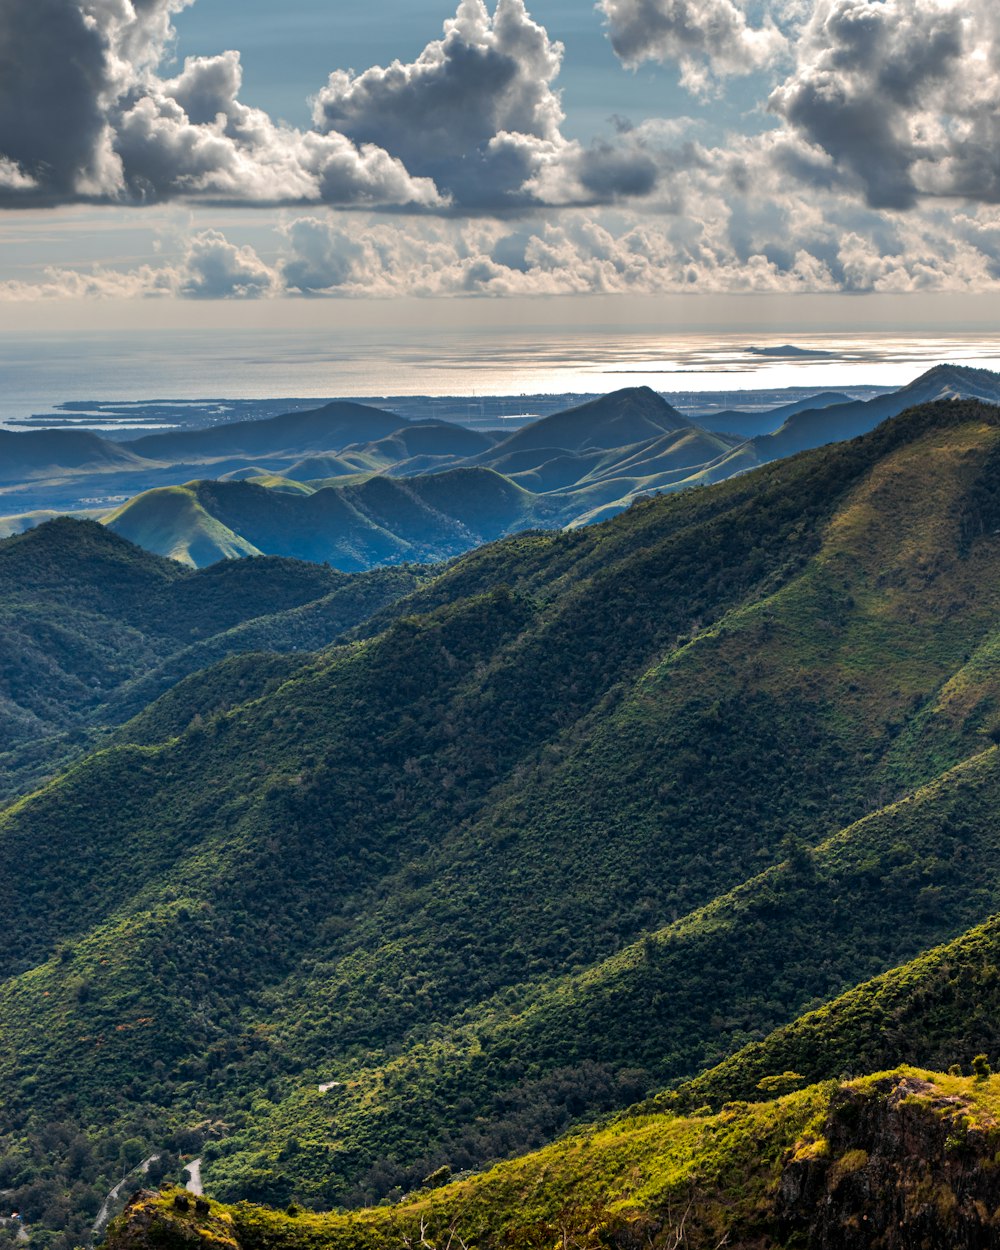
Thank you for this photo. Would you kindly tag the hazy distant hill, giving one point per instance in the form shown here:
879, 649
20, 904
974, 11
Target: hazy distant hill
573, 468
812, 428
628, 416
325, 429
748, 424
412, 449
44, 452
430, 491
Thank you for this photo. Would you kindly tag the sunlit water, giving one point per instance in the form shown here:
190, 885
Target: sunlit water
37, 372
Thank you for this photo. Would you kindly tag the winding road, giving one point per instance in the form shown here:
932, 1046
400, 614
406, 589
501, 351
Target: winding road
104, 1215
193, 1170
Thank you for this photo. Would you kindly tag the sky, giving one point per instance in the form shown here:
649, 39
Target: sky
709, 162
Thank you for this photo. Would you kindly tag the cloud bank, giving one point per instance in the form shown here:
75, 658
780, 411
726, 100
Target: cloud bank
872, 163
792, 248
472, 125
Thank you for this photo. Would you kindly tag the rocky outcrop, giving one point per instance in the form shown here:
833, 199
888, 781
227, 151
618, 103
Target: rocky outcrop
906, 1167
176, 1221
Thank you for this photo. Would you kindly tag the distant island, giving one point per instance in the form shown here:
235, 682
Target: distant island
787, 351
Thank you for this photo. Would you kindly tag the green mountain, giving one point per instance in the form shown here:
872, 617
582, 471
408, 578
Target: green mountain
171, 521
94, 627
939, 1009
376, 521
581, 815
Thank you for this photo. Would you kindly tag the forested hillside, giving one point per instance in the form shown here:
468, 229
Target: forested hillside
567, 822
94, 628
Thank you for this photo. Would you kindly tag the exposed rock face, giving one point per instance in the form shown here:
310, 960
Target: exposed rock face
908, 1167
188, 1223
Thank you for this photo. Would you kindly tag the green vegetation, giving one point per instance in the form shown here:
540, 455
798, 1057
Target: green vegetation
372, 521
564, 822
940, 1010
171, 521
897, 1159
95, 628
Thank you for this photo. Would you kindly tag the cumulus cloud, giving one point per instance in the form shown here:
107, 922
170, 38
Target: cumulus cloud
473, 124
478, 113
708, 39
768, 243
238, 154
214, 268
791, 247
54, 72
898, 99
879, 109
14, 178
891, 101
84, 116
210, 267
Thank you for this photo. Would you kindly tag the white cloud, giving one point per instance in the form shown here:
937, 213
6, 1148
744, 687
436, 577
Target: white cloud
475, 111
885, 107
795, 247
478, 113
83, 116
214, 268
791, 244
708, 39
901, 97
13, 177
210, 268
473, 124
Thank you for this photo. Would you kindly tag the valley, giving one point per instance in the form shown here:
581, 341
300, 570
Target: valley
499, 625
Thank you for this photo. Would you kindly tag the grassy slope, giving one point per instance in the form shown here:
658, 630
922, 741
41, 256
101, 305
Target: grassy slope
897, 1159
937, 1010
378, 520
172, 522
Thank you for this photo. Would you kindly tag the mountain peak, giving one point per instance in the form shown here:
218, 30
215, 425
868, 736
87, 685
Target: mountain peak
633, 414
961, 380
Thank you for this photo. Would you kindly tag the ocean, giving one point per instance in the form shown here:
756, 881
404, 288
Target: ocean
38, 372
